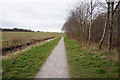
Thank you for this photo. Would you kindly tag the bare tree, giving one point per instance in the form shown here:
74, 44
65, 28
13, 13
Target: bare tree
111, 23
85, 20
106, 24
93, 5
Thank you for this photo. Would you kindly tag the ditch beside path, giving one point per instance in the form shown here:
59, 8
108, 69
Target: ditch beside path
55, 65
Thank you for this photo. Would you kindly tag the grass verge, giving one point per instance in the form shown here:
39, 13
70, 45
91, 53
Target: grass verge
89, 63
28, 63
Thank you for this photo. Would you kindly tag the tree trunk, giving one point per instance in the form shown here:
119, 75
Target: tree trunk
111, 29
84, 31
90, 27
103, 36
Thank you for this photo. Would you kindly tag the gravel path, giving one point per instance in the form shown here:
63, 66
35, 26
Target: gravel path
55, 65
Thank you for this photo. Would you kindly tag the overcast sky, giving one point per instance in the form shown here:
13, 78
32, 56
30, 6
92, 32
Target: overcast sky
42, 15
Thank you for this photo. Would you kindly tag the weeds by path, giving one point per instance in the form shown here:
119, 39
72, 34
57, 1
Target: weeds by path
89, 63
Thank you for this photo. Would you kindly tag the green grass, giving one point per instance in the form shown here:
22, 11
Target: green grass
28, 63
89, 63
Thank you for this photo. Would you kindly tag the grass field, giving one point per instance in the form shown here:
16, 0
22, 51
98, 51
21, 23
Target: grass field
28, 63
90, 63
10, 39
14, 35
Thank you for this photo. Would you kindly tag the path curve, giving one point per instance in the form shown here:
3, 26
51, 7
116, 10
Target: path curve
55, 65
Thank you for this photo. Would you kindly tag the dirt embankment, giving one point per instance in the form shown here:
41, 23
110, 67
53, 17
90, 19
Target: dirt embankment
22, 46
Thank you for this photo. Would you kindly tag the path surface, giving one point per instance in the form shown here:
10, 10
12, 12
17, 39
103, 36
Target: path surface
55, 65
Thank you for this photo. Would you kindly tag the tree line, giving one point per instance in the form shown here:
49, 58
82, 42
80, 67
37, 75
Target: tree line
94, 22
17, 30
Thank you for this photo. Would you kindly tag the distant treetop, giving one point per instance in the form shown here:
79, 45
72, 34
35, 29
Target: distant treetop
17, 30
